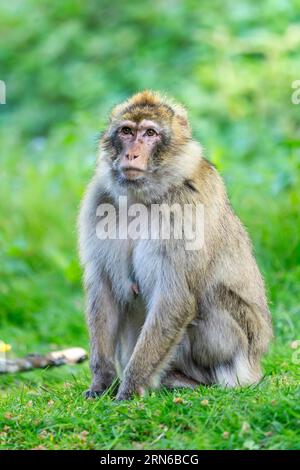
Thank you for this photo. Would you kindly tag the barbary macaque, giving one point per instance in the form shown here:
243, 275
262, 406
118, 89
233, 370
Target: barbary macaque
158, 312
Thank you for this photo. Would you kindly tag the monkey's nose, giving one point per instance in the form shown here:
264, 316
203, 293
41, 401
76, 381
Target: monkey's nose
131, 157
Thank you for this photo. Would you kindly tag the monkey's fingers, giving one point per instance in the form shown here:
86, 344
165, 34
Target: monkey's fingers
126, 393
91, 394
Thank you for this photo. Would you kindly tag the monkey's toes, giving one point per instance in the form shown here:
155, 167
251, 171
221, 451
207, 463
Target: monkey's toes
125, 395
91, 394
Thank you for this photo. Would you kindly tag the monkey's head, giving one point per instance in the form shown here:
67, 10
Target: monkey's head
146, 137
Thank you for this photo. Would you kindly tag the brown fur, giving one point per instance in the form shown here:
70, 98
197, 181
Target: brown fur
199, 316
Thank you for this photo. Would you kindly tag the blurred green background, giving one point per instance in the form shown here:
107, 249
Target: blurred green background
65, 64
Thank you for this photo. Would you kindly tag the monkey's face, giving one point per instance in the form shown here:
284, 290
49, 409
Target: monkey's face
137, 146
143, 149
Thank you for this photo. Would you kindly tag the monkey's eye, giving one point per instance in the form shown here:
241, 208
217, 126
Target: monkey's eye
126, 130
151, 132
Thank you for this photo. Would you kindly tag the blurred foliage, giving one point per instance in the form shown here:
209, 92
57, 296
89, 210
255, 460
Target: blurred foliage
66, 63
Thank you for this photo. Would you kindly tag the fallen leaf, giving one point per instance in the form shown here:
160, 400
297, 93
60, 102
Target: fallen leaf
177, 400
250, 445
163, 426
83, 435
245, 427
44, 434
67, 385
138, 445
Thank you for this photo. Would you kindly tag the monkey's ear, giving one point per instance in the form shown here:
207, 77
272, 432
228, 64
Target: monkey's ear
183, 121
183, 124
116, 111
181, 115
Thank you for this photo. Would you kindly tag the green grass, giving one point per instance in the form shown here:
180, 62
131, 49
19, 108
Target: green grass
47, 409
65, 64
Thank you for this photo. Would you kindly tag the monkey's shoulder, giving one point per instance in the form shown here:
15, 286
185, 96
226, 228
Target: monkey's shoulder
205, 183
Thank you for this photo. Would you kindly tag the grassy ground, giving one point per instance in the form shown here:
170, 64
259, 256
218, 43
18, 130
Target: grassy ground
46, 410
65, 65
42, 309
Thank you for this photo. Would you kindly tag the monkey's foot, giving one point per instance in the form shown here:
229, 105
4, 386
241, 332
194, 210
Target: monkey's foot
176, 379
90, 394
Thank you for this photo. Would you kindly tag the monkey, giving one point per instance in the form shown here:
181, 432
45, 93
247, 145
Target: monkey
159, 314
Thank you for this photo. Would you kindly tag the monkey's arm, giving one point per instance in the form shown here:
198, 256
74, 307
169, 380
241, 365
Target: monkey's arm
165, 325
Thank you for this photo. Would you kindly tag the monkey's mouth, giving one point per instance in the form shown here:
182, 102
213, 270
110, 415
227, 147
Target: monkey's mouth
132, 174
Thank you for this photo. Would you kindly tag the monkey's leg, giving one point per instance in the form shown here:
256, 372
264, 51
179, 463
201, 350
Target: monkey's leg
177, 379
220, 346
103, 324
161, 332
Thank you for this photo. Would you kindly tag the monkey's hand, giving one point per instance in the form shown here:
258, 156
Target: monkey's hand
162, 331
124, 395
126, 392
89, 394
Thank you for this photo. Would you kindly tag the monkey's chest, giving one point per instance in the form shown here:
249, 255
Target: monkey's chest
132, 267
